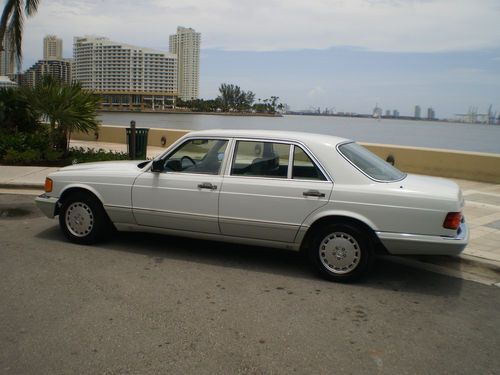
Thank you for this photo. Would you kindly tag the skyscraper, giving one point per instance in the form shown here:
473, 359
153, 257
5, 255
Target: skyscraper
52, 48
431, 114
417, 111
186, 45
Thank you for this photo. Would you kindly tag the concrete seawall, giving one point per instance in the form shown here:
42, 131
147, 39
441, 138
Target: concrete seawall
435, 162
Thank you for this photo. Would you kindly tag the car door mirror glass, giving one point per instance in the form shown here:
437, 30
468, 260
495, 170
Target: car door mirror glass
157, 166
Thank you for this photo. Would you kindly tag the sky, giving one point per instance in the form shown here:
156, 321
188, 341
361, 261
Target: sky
346, 55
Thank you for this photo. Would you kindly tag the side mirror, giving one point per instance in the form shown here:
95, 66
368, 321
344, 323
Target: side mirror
157, 165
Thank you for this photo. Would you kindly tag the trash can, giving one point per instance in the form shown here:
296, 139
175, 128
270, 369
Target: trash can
141, 143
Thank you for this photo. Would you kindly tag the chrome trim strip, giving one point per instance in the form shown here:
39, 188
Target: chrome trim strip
290, 142
240, 221
173, 147
175, 213
290, 162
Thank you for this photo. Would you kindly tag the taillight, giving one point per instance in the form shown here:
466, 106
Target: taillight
48, 185
452, 220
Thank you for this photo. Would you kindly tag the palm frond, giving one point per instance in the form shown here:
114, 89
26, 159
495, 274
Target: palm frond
4, 20
31, 7
15, 33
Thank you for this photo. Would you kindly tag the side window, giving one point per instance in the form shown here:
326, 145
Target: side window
197, 156
304, 168
265, 159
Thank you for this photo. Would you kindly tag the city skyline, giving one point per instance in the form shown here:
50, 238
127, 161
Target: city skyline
332, 54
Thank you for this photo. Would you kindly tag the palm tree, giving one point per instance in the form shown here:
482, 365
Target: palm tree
12, 23
66, 108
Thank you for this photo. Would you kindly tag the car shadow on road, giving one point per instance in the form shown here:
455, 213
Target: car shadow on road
383, 275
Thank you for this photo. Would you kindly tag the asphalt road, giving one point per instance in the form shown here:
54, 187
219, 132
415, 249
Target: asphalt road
147, 304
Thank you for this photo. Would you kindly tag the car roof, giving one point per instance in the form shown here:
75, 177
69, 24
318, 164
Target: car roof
272, 134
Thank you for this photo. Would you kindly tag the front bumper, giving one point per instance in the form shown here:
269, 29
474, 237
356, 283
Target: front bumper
417, 244
47, 205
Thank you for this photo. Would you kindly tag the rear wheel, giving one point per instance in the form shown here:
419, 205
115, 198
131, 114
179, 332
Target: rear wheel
83, 219
341, 252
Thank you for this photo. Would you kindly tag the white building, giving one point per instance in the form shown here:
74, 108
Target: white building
52, 48
5, 82
127, 76
186, 45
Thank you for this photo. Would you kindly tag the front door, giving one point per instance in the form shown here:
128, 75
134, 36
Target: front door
185, 195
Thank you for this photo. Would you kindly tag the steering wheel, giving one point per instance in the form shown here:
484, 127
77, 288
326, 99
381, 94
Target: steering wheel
189, 158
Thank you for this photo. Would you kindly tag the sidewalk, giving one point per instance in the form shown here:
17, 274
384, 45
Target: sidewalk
482, 207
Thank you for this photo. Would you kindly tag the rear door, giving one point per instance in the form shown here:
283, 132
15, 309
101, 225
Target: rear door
269, 189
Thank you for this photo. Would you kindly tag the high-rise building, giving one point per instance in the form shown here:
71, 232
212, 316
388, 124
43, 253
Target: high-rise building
395, 113
7, 64
126, 76
186, 45
52, 48
418, 111
59, 69
431, 114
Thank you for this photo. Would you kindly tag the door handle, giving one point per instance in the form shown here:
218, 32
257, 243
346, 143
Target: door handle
313, 193
207, 185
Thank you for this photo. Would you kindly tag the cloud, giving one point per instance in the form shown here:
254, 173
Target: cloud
268, 25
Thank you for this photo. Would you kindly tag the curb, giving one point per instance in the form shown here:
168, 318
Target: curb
492, 264
22, 185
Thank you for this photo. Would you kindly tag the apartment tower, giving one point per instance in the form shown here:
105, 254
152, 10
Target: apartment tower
186, 45
52, 48
127, 76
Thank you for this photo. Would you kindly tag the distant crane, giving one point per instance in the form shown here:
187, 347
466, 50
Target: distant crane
472, 116
377, 112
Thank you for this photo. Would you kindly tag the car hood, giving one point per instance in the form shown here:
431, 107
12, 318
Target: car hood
103, 166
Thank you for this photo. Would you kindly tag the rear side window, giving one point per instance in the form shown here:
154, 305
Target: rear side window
370, 164
304, 168
262, 159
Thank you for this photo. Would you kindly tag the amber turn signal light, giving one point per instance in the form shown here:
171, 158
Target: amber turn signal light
452, 220
48, 185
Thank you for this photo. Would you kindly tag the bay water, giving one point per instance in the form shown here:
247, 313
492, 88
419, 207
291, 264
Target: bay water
441, 135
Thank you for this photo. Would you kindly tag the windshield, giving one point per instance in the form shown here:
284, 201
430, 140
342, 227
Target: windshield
370, 164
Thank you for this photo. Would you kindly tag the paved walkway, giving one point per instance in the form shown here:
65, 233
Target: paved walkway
482, 209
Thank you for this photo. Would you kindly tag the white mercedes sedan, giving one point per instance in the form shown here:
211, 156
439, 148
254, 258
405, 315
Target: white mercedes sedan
324, 195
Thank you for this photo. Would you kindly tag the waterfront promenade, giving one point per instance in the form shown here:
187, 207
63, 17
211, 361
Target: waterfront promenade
482, 210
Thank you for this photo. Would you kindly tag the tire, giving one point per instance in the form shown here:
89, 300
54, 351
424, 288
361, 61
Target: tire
83, 219
341, 252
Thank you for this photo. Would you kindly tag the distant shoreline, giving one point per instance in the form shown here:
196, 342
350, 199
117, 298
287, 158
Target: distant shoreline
367, 116
174, 112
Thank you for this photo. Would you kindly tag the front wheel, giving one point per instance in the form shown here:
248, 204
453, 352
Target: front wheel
341, 252
83, 219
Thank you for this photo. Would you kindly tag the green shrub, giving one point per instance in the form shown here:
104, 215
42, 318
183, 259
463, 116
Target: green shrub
86, 155
22, 157
19, 142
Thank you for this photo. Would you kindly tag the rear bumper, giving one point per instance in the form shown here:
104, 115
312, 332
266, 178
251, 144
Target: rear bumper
47, 205
417, 244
